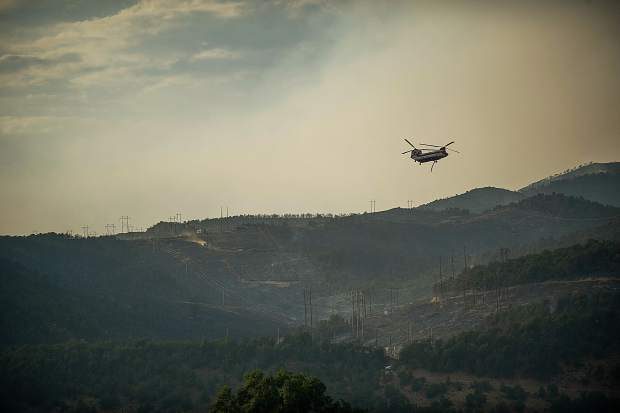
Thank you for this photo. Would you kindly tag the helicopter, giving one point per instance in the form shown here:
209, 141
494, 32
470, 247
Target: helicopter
418, 155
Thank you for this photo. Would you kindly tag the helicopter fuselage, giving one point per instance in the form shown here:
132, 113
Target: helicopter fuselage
428, 156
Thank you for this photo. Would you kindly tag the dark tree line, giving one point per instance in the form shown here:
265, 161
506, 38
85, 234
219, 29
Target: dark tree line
173, 376
531, 341
593, 258
283, 392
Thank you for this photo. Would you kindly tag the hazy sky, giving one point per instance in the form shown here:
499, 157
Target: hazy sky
148, 108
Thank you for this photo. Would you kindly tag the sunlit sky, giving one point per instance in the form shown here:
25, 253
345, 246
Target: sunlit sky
149, 108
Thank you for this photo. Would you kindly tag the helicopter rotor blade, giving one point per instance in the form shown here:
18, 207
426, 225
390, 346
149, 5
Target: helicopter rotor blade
434, 146
411, 150
406, 140
453, 150
448, 144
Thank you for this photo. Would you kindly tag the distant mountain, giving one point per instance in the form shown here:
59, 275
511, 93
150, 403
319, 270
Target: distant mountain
477, 200
599, 182
403, 242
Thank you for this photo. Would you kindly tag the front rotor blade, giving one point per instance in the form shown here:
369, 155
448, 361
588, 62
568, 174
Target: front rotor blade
449, 143
409, 143
434, 146
407, 152
453, 150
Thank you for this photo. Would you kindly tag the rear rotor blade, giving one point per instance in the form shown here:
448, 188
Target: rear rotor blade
453, 150
406, 140
407, 152
449, 144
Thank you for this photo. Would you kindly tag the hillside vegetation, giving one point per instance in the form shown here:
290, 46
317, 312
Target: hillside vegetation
42, 308
590, 259
172, 376
477, 200
249, 279
532, 341
598, 182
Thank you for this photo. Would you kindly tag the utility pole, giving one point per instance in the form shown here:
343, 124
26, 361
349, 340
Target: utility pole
373, 206
363, 314
124, 223
357, 313
305, 309
464, 278
409, 335
503, 252
353, 314
173, 228
452, 264
311, 320
464, 258
440, 277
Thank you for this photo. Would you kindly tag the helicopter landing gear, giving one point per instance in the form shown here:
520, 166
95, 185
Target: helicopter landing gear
434, 162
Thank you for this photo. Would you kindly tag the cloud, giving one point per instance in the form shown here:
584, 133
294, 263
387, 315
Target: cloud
38, 125
300, 4
215, 54
7, 5
15, 62
105, 42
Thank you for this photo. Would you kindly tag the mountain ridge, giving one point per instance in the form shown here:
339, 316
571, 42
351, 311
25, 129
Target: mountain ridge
476, 200
599, 182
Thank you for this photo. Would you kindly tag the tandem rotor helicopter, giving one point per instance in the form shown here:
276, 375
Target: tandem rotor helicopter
429, 155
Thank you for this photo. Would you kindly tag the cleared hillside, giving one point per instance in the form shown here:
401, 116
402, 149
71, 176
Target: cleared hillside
477, 200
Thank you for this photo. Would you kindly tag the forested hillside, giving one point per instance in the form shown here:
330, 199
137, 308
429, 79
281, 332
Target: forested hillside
179, 376
477, 200
249, 279
590, 259
532, 341
595, 182
104, 301
397, 242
